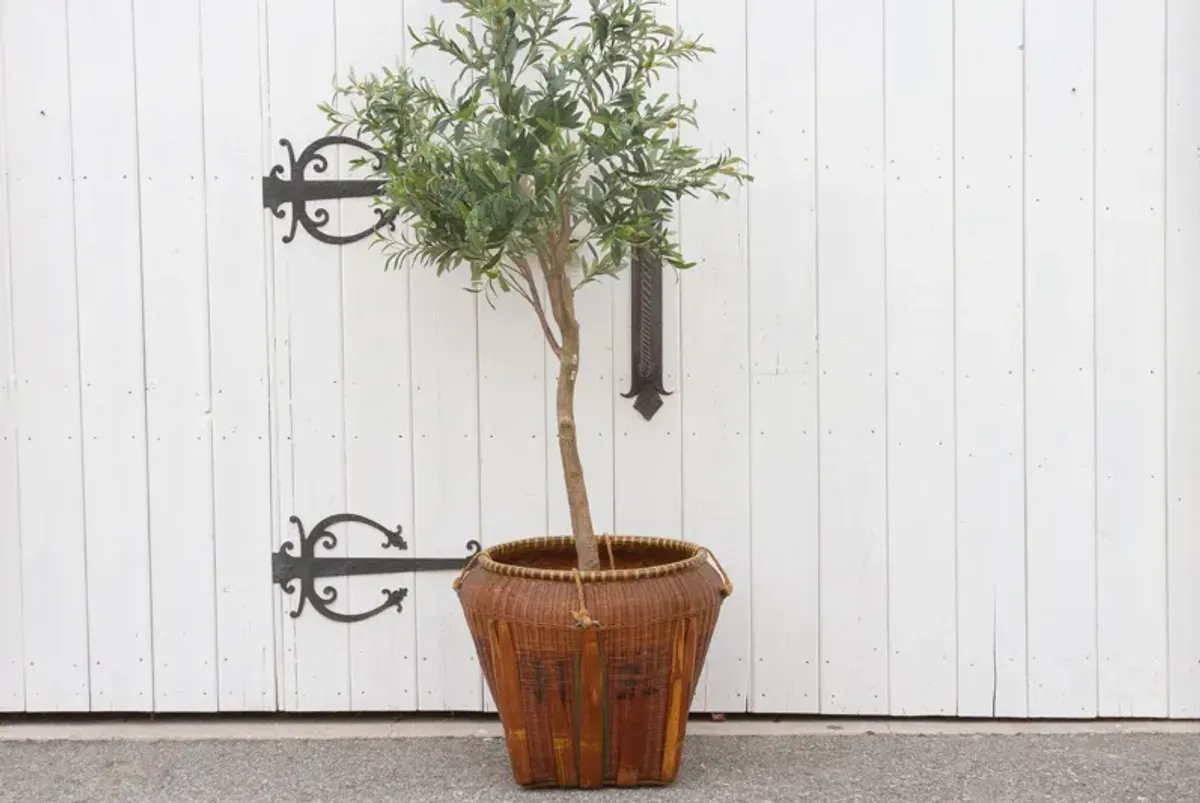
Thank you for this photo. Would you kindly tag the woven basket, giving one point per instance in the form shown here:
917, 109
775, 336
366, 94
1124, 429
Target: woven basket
593, 673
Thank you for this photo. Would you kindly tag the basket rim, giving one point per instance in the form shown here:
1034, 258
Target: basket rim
484, 560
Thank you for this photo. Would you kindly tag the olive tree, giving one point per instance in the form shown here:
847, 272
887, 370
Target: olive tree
546, 164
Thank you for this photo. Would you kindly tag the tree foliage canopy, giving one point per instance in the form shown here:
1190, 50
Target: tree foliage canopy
550, 144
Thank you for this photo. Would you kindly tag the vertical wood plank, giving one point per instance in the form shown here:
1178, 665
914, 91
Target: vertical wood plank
12, 659
1183, 354
513, 450
178, 368
232, 41
41, 225
446, 480
919, 142
279, 373
512, 422
562, 724
783, 351
446, 471
851, 308
104, 138
379, 456
1131, 544
683, 669
309, 333
1060, 357
508, 683
647, 476
592, 692
715, 397
989, 321
625, 761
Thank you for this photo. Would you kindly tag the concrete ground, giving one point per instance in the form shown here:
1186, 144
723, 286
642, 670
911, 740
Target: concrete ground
735, 761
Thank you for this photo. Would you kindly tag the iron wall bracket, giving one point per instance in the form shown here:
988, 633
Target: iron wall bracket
287, 568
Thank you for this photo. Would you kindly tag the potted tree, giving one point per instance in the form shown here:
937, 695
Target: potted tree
543, 169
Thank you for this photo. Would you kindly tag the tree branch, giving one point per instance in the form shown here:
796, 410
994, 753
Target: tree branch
535, 301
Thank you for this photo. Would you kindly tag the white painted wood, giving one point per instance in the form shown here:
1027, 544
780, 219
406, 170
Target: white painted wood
232, 41
647, 481
919, 141
1183, 355
12, 660
852, 309
512, 422
513, 470
309, 332
109, 269
647, 455
46, 356
279, 376
516, 444
1060, 358
446, 469
446, 482
989, 322
1131, 543
995, 310
784, 514
379, 455
715, 358
178, 367
513, 455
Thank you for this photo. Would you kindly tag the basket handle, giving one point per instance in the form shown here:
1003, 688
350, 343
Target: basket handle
727, 584
458, 581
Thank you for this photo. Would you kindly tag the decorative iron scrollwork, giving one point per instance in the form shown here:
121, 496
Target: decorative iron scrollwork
287, 568
647, 361
646, 380
299, 191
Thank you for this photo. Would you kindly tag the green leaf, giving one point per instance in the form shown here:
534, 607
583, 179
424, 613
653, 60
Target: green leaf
555, 127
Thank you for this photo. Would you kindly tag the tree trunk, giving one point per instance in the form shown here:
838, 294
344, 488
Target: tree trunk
562, 303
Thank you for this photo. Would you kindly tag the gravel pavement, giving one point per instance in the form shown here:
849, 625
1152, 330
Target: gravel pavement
887, 768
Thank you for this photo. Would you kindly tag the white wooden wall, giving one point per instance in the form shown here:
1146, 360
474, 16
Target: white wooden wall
936, 380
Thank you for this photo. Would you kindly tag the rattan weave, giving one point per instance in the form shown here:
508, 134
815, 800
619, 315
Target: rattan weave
593, 673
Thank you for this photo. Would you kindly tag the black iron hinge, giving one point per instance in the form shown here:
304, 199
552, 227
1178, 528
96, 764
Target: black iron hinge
287, 568
646, 379
299, 191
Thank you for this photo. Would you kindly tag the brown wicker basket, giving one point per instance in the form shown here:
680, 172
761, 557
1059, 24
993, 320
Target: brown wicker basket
593, 673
